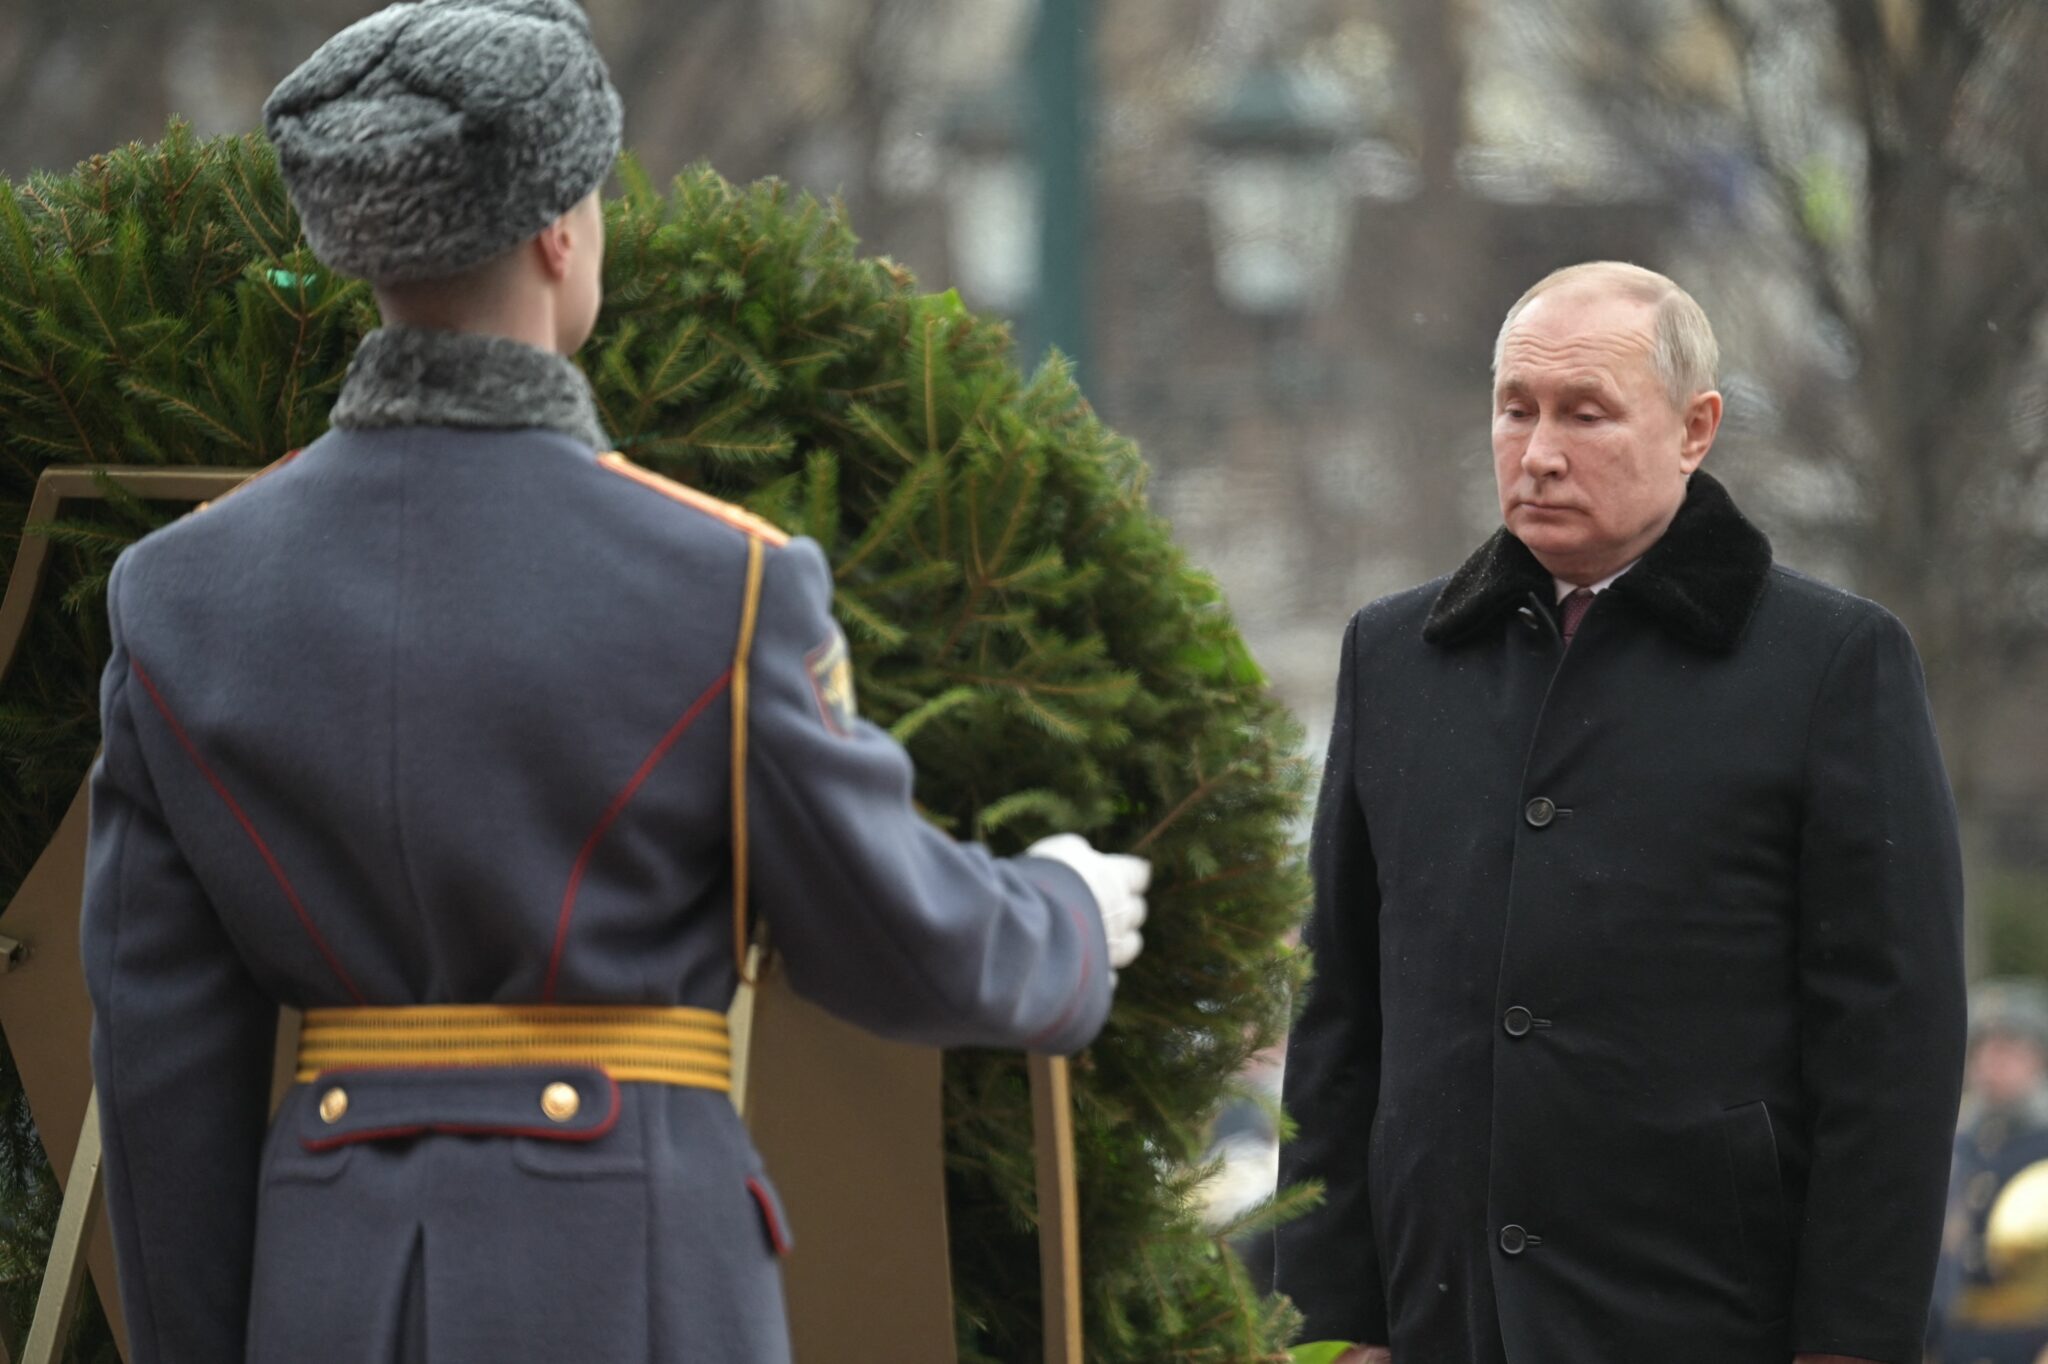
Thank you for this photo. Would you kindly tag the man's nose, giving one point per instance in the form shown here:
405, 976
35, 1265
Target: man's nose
1543, 456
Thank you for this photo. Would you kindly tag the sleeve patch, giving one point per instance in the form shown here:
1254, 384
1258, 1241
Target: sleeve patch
831, 670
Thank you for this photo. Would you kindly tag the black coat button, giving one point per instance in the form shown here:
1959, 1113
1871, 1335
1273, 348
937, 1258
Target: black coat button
1513, 1239
1518, 1021
1540, 811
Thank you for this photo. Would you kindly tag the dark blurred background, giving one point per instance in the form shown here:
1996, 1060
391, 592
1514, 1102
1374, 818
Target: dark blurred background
1279, 235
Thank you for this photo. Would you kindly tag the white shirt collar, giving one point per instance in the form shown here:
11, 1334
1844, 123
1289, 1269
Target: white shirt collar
1565, 589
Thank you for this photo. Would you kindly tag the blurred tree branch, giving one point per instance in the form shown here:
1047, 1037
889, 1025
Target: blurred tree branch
1903, 187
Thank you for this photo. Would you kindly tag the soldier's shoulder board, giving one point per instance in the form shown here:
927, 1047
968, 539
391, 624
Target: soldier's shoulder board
250, 481
738, 517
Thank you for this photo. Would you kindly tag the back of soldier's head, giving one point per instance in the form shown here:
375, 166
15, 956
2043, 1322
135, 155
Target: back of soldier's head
431, 146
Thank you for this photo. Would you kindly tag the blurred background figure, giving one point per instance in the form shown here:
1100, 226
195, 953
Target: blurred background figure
1988, 1310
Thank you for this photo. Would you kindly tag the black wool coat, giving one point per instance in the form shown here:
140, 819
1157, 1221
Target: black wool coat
1638, 1022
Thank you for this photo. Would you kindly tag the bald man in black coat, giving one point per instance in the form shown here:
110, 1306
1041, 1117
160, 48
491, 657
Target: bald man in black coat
1638, 1019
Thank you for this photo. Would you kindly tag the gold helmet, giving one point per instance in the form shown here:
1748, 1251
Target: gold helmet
2016, 1237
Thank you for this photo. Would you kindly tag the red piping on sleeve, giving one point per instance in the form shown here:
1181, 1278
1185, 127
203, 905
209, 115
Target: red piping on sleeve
776, 1236
248, 827
610, 816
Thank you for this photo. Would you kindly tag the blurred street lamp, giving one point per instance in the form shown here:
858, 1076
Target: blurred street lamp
992, 200
1020, 223
1279, 218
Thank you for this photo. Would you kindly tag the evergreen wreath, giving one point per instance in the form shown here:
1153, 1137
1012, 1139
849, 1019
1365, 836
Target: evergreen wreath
1019, 620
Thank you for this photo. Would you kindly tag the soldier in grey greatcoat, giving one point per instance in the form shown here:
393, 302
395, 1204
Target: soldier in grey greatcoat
445, 710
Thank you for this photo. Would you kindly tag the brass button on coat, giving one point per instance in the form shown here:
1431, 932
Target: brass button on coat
560, 1101
333, 1105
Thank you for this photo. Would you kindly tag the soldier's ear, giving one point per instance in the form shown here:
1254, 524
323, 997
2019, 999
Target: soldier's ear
556, 243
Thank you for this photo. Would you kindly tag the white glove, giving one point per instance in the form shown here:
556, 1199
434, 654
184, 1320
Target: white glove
1116, 880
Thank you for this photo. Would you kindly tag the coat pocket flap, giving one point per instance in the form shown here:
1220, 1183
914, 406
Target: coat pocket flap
549, 1103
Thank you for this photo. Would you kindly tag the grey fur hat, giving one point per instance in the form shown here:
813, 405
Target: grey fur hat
434, 135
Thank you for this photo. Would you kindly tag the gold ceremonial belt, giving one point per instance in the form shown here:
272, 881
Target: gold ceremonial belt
670, 1046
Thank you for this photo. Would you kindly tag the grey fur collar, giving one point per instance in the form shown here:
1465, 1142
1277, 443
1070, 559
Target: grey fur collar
410, 376
1701, 581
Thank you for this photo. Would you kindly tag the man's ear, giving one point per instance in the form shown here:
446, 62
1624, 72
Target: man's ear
554, 244
1702, 422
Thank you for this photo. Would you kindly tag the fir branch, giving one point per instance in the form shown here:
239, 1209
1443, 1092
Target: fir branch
820, 357
56, 387
248, 207
866, 419
191, 411
821, 499
947, 701
1203, 790
909, 497
1110, 688
1052, 810
865, 622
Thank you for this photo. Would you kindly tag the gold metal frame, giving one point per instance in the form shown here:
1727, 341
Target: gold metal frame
64, 1274
61, 483
72, 1247
1052, 1102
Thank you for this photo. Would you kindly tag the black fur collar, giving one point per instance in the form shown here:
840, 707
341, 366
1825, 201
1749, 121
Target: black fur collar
1701, 581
